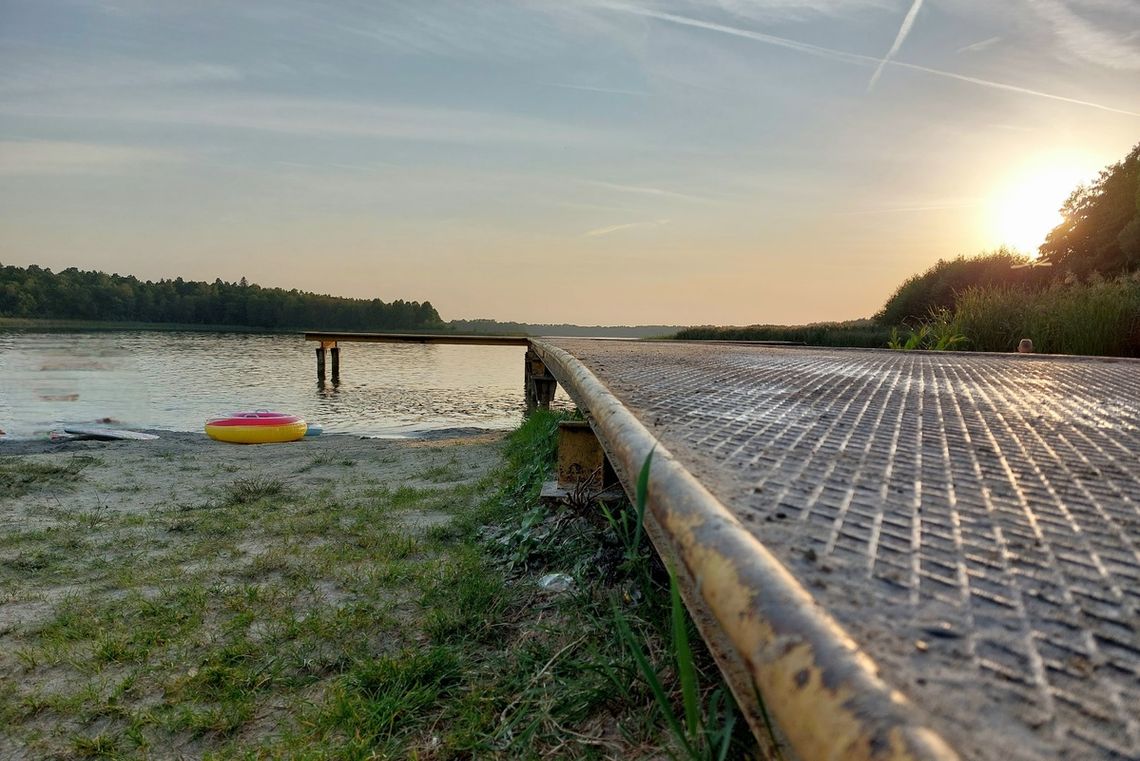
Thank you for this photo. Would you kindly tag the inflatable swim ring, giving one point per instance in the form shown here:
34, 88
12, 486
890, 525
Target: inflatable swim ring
261, 427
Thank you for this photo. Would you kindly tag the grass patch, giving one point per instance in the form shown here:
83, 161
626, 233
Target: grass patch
246, 491
19, 476
448, 472
330, 624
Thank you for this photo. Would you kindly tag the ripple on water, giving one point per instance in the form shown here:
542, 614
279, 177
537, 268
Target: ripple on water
175, 380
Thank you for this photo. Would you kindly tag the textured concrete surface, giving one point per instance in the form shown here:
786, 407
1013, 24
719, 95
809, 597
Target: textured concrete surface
972, 520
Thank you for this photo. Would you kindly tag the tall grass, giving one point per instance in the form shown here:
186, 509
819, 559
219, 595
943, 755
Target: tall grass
938, 332
1099, 317
858, 333
706, 731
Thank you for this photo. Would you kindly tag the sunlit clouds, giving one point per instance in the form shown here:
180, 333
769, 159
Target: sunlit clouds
52, 157
729, 162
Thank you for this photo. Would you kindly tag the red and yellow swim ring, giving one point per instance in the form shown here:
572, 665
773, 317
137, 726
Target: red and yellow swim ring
260, 427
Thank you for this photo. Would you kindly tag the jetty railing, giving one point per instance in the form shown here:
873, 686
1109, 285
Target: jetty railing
784, 657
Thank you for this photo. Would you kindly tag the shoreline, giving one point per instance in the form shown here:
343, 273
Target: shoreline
39, 444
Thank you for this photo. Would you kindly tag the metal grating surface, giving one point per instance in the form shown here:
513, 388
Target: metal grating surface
972, 520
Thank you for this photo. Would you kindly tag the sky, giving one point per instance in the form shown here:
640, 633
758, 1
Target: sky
595, 162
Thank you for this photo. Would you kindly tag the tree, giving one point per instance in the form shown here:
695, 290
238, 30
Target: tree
939, 286
1101, 227
73, 294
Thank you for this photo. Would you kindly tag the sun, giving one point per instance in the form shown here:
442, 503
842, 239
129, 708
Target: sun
1025, 209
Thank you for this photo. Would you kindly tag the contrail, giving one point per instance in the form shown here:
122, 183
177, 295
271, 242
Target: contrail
770, 39
649, 191
855, 58
589, 88
904, 30
1012, 88
976, 46
614, 228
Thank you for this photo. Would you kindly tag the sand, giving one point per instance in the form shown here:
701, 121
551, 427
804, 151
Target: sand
70, 537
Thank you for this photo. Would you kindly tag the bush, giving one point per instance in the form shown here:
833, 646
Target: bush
938, 288
860, 333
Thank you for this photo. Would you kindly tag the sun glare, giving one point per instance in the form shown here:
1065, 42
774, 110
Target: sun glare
1027, 208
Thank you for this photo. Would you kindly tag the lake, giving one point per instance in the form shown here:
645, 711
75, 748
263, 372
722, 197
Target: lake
176, 380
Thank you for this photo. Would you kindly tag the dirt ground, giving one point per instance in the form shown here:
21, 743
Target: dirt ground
104, 546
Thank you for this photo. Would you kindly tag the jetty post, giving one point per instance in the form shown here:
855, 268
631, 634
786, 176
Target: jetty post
540, 392
331, 347
539, 385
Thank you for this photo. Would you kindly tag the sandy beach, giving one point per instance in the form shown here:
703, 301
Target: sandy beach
333, 598
125, 565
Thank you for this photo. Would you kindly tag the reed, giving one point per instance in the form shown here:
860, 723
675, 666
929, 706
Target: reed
1097, 317
857, 333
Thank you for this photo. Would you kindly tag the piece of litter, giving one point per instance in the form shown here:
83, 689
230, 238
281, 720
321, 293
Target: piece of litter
556, 582
107, 434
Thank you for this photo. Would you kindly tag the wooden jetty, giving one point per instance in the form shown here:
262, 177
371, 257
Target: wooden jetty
330, 342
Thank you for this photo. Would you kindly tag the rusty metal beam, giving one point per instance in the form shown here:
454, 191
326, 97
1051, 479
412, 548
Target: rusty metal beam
418, 338
769, 636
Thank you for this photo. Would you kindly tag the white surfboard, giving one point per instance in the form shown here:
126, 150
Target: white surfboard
108, 434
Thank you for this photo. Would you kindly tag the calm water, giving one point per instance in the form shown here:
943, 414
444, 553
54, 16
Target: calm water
175, 381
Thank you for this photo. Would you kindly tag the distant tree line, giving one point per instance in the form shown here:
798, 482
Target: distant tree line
863, 333
72, 294
495, 327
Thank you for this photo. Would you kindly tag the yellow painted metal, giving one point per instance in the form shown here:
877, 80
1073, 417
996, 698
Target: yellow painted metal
580, 455
822, 692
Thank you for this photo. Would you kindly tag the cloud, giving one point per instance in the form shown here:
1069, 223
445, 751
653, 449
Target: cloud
856, 58
456, 29
904, 30
47, 157
1086, 40
29, 73
306, 116
615, 228
911, 207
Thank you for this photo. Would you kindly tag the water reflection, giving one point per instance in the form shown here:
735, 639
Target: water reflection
177, 380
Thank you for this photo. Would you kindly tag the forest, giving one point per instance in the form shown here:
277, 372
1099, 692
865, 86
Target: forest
38, 293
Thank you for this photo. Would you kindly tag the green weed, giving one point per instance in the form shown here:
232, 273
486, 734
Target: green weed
246, 491
938, 332
20, 476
